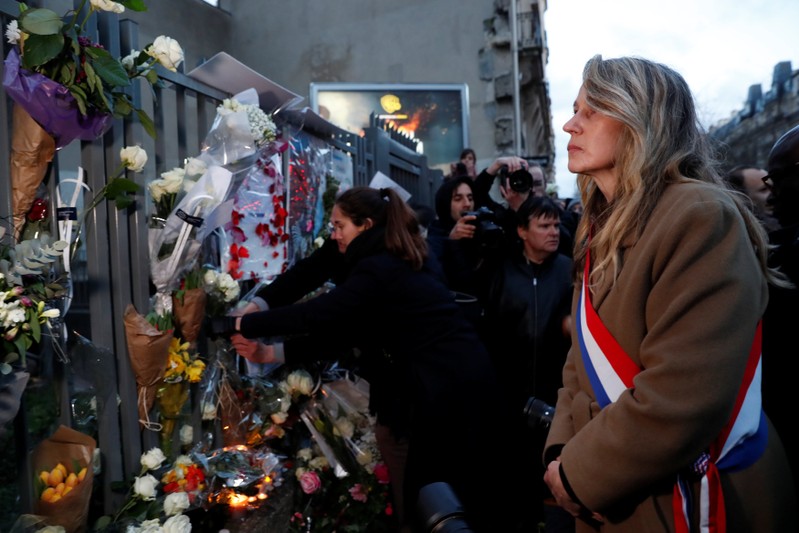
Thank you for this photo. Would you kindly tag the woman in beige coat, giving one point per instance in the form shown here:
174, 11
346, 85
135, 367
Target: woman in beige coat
659, 426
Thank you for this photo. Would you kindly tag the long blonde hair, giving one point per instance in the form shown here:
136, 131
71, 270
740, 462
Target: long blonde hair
662, 142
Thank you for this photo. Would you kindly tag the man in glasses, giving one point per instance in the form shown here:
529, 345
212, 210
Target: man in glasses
780, 318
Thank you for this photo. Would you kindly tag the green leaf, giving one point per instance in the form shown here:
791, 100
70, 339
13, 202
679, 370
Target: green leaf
80, 98
147, 123
122, 106
36, 328
39, 49
151, 76
40, 22
119, 190
108, 68
134, 5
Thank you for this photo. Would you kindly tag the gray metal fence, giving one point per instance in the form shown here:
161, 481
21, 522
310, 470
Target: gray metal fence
112, 270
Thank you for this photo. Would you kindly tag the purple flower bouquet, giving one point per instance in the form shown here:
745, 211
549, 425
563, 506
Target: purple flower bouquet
51, 105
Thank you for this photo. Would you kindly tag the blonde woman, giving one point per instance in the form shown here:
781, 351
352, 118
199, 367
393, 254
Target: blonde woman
659, 425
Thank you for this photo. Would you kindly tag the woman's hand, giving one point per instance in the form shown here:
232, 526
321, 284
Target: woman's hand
253, 350
555, 484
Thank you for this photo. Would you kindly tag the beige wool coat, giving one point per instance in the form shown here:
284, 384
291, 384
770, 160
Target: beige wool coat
684, 307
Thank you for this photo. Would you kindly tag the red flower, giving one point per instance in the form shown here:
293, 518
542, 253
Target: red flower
38, 210
381, 473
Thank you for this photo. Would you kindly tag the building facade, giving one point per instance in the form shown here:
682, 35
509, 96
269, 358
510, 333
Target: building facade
416, 41
748, 136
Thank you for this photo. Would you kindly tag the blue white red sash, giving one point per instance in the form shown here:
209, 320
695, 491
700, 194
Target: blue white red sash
740, 443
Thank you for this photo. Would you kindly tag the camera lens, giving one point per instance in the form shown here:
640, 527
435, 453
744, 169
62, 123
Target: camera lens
538, 412
520, 180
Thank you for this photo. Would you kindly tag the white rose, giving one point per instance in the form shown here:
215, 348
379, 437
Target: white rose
107, 5
364, 458
278, 418
209, 410
144, 487
177, 524
300, 381
157, 189
183, 460
344, 428
195, 167
166, 51
150, 526
209, 279
51, 529
305, 454
186, 435
176, 503
133, 157
173, 179
298, 473
319, 463
153, 459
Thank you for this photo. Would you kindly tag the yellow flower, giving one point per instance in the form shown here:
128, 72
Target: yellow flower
195, 371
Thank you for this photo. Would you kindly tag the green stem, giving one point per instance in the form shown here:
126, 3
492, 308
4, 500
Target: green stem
82, 24
96, 199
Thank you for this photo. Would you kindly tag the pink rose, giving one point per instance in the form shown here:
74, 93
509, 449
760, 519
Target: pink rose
310, 483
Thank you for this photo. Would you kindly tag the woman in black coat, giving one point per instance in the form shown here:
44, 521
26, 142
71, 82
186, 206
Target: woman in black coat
391, 298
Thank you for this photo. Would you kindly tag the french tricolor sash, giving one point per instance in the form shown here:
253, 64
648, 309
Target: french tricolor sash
740, 443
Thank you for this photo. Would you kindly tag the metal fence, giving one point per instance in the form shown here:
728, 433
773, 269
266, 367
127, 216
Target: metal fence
112, 270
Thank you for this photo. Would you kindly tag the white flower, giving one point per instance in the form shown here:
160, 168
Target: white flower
186, 435
183, 460
176, 503
279, 418
51, 529
149, 526
319, 463
13, 33
167, 51
195, 167
300, 381
177, 524
344, 427
305, 454
153, 459
133, 157
209, 410
144, 487
107, 5
173, 179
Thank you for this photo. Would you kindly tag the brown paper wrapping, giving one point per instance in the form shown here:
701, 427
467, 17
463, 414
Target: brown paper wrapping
70, 448
189, 314
148, 350
32, 150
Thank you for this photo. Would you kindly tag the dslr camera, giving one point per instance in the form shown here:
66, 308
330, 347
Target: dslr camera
440, 511
520, 180
488, 232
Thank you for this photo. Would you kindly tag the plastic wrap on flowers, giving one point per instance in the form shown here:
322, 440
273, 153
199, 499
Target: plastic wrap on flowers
90, 365
176, 248
50, 104
256, 239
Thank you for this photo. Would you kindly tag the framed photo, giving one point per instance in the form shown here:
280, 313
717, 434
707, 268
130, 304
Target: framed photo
435, 114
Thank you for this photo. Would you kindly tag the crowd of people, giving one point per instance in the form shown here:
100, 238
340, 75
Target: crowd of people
649, 317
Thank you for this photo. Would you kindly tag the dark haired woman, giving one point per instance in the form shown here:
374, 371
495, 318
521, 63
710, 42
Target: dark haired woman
390, 298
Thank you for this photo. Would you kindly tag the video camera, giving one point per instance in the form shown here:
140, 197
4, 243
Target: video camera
519, 180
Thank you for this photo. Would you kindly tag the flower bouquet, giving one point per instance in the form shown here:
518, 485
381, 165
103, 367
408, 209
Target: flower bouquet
66, 459
158, 497
148, 351
173, 392
67, 87
188, 305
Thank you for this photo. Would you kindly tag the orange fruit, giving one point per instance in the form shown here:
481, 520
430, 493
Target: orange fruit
55, 477
47, 494
82, 474
71, 480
